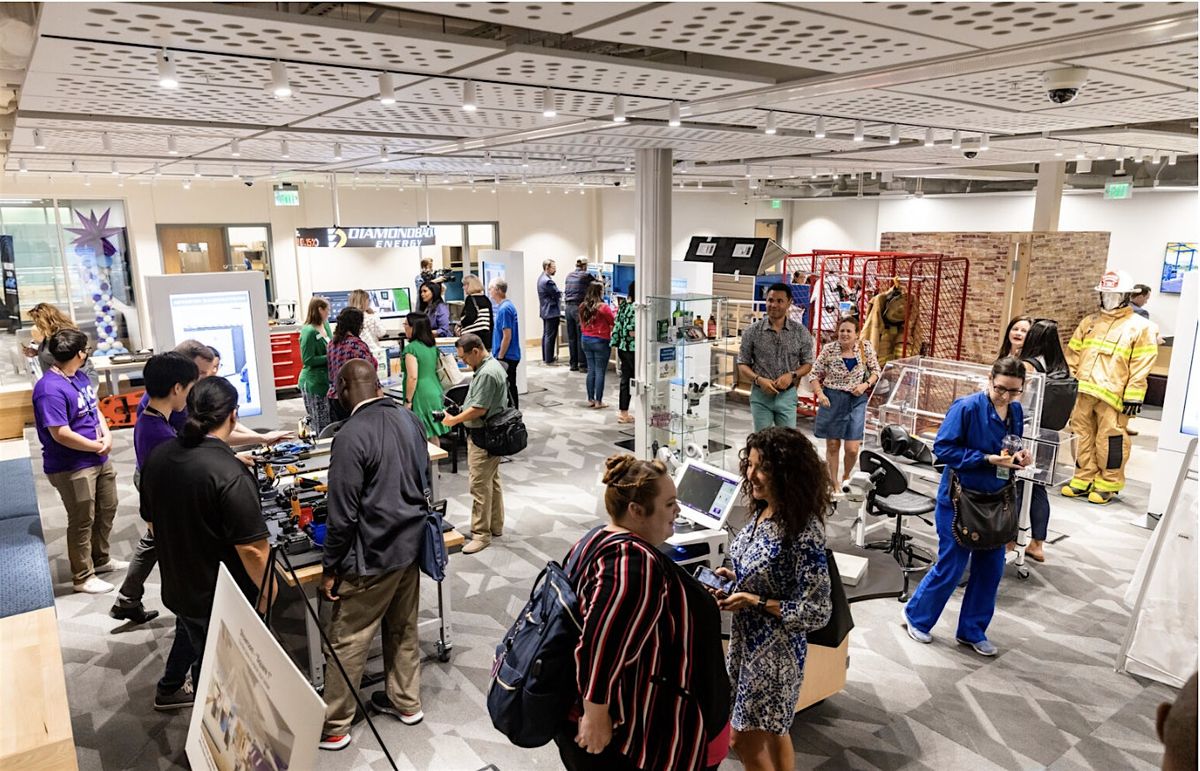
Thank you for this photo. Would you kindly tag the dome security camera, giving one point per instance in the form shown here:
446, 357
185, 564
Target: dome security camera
970, 155
1062, 86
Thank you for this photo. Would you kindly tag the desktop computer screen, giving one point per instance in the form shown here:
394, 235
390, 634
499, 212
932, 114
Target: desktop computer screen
706, 493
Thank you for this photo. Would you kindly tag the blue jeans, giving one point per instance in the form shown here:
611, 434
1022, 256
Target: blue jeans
595, 352
1039, 511
574, 335
979, 602
187, 652
778, 410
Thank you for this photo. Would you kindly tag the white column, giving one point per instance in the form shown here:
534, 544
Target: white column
652, 238
1051, 177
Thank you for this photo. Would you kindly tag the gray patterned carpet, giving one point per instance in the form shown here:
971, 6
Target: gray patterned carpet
1050, 700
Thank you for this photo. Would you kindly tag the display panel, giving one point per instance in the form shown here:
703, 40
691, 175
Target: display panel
706, 493
492, 270
391, 303
223, 321
452, 287
622, 278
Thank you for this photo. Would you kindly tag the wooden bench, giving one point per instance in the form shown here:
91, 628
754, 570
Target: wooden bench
35, 722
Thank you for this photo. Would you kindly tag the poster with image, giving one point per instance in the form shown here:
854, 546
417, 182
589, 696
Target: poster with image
222, 320
254, 709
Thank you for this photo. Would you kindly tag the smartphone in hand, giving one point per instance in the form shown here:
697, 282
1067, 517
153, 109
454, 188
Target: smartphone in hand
713, 581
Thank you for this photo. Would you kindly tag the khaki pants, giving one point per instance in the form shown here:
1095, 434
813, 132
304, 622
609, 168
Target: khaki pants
90, 498
365, 601
487, 499
1101, 446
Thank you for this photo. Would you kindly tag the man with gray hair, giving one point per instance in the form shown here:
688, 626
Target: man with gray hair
550, 309
506, 336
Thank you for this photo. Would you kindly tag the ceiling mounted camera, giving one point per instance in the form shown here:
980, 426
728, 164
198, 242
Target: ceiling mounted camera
1062, 86
970, 155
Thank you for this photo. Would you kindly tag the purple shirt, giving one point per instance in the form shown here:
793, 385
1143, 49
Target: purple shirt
149, 432
59, 401
176, 419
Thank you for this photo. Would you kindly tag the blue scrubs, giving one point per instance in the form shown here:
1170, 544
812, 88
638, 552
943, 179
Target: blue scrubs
971, 431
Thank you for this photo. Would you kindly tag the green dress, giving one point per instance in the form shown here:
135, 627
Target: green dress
428, 396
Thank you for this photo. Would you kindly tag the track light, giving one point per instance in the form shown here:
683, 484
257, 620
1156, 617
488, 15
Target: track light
87, 181
468, 96
74, 167
337, 151
157, 170
618, 108
1120, 152
858, 131
983, 142
235, 148
283, 149
819, 131
22, 166
1101, 153
167, 77
106, 142
1157, 157
1058, 150
1083, 167
172, 145
236, 173
748, 172
956, 140
628, 165
38, 141
187, 184
894, 137
1172, 158
387, 88
547, 100
770, 127
562, 161
196, 170
1079, 154
929, 137
114, 171
673, 115
383, 153
279, 81
487, 158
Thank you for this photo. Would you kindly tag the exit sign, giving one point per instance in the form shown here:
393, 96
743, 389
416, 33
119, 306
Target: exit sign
287, 195
1118, 188
776, 203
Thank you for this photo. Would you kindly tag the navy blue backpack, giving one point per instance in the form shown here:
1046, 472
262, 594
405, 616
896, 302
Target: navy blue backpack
533, 676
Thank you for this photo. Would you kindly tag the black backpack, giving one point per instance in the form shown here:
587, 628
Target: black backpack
1058, 395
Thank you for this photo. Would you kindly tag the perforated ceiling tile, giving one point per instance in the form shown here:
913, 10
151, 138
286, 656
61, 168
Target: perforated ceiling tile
248, 29
87, 141
401, 124
1177, 106
559, 18
803, 37
1021, 88
104, 60
1174, 63
91, 94
991, 25
298, 152
113, 128
1153, 140
944, 155
610, 75
502, 96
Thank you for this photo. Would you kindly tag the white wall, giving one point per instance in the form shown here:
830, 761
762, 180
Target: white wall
823, 223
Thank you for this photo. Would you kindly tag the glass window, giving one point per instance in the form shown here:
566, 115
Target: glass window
36, 252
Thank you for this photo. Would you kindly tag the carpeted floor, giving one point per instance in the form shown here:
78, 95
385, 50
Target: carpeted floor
1049, 700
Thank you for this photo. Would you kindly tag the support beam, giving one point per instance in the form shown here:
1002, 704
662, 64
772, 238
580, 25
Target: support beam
1050, 179
652, 239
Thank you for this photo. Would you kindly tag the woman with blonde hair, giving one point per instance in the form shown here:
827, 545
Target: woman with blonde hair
372, 330
48, 319
477, 312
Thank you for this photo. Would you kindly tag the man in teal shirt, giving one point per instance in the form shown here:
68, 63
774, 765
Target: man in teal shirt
487, 395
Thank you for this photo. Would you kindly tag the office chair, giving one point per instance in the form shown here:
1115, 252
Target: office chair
456, 395
891, 497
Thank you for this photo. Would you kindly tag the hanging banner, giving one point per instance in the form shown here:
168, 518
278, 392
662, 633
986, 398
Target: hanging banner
393, 237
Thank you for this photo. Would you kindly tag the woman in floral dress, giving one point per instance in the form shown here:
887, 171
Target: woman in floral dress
780, 593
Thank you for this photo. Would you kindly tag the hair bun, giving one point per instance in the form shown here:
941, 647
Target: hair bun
616, 467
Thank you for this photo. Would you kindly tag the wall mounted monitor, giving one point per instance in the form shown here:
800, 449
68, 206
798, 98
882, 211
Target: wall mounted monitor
391, 303
705, 493
622, 277
491, 270
452, 287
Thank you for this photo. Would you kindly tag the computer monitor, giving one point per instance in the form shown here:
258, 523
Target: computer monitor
706, 494
337, 301
391, 303
622, 277
452, 288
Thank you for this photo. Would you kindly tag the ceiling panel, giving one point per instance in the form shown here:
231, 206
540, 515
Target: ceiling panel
423, 118
1174, 63
796, 36
1152, 140
1020, 88
249, 30
503, 96
87, 141
609, 75
1177, 106
943, 154
995, 24
559, 18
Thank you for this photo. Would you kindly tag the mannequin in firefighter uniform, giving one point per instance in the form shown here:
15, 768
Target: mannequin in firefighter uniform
1111, 354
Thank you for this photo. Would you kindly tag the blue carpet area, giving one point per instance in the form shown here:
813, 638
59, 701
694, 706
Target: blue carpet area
25, 582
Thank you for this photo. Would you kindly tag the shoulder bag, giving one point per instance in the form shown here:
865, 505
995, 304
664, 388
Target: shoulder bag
983, 521
503, 433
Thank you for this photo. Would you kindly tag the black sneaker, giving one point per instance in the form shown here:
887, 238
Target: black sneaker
381, 703
180, 699
135, 613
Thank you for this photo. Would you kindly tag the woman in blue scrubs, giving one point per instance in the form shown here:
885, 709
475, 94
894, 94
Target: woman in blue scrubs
969, 442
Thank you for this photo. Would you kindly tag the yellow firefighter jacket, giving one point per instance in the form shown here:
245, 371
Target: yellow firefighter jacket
1111, 354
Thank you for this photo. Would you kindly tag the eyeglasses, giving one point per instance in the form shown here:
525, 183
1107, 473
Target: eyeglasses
1002, 391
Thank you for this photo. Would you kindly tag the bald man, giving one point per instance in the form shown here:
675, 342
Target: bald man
377, 507
1176, 726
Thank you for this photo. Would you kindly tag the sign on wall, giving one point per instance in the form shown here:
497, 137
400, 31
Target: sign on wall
390, 237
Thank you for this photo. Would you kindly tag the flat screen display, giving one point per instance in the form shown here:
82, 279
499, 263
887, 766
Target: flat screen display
389, 303
622, 277
706, 494
222, 320
452, 288
491, 270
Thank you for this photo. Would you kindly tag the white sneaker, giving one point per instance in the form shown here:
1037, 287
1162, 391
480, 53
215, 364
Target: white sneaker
111, 565
94, 585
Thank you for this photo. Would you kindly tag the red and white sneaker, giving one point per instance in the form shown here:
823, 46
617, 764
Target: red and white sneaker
335, 741
381, 703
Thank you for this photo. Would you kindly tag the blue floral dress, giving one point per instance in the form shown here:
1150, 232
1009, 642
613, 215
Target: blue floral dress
766, 654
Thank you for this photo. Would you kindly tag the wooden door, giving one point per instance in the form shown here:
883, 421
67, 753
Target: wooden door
192, 248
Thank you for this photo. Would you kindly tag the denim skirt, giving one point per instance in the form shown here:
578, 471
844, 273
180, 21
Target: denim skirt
844, 418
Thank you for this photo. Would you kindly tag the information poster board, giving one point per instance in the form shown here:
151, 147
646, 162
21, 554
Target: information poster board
254, 709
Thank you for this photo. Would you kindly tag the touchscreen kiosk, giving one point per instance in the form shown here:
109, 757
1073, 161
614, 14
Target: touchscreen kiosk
706, 494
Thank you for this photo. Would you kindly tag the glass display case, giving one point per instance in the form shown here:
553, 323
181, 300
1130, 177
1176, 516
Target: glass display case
913, 394
687, 377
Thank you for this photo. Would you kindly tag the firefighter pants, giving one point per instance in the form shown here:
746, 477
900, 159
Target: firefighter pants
1101, 446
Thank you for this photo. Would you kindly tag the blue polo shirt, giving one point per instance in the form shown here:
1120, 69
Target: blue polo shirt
971, 431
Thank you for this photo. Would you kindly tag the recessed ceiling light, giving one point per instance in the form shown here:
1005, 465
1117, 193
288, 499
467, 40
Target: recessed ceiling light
387, 88
468, 96
279, 81
167, 77
618, 108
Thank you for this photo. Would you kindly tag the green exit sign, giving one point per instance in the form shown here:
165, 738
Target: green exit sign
776, 203
287, 195
1118, 188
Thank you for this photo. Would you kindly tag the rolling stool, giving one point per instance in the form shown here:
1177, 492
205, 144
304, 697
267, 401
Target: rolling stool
891, 497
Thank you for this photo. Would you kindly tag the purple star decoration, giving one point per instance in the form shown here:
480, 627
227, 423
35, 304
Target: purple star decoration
95, 253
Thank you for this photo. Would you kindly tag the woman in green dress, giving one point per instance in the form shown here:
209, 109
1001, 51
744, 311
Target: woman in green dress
314, 377
422, 389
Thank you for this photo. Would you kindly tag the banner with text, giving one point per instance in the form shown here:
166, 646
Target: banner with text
395, 237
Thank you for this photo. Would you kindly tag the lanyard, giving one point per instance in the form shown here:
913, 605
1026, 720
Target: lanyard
162, 417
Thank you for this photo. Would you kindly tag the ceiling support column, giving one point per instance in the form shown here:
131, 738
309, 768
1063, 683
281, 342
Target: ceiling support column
1050, 181
652, 239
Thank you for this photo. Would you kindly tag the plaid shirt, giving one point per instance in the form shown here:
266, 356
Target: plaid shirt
350, 347
772, 354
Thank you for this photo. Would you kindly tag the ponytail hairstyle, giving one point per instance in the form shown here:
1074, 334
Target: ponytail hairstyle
592, 298
210, 403
629, 480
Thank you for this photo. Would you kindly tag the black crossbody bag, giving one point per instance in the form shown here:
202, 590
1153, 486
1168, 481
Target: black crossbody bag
983, 521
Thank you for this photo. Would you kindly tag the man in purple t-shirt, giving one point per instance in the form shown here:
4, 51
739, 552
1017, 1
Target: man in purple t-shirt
75, 445
169, 378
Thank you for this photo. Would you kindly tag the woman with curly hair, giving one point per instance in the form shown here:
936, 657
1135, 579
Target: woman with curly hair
781, 591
